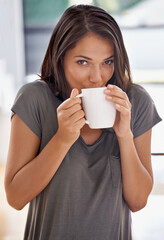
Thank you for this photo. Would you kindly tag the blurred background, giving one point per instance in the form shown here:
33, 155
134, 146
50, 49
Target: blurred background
25, 30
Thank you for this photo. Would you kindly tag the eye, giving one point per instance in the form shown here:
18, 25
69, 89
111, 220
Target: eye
109, 62
82, 62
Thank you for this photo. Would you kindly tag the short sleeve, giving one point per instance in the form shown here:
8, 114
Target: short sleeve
144, 112
26, 106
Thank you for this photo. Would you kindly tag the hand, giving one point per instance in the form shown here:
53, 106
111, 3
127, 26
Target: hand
70, 118
123, 106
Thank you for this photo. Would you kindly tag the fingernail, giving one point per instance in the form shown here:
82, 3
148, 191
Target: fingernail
117, 105
108, 97
110, 86
107, 91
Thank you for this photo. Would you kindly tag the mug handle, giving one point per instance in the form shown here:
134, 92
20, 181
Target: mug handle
82, 95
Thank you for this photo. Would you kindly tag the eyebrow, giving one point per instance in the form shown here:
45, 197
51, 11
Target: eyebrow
91, 58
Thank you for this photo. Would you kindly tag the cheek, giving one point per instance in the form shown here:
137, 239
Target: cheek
108, 72
76, 74
75, 77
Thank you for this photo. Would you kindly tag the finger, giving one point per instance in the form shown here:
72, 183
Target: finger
77, 116
123, 110
113, 87
72, 100
76, 121
119, 101
69, 103
116, 91
74, 93
72, 110
79, 124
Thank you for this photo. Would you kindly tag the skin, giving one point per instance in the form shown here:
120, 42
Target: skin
88, 64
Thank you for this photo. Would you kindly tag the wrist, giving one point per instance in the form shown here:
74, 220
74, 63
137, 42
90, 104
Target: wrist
126, 138
62, 140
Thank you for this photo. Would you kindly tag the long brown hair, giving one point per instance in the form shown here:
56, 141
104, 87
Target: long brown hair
73, 25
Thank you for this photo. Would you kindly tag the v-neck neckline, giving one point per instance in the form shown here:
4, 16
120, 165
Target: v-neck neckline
95, 143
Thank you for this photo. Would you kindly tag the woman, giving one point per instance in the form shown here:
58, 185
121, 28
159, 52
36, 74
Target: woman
81, 183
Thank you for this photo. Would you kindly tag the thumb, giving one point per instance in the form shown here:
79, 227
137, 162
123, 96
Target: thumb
74, 93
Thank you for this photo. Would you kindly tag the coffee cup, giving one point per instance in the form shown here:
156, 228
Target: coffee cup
99, 112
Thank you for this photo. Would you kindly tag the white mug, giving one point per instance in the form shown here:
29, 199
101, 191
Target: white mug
99, 112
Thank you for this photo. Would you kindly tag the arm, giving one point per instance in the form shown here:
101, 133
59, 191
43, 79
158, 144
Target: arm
27, 173
137, 177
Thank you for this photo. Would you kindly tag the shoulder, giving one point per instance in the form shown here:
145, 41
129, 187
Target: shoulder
143, 113
34, 87
36, 91
137, 92
35, 104
139, 97
36, 97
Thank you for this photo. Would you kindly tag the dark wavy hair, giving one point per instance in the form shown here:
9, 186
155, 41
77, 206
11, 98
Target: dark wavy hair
77, 21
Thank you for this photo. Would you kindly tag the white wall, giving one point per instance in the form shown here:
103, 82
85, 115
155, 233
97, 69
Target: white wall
12, 61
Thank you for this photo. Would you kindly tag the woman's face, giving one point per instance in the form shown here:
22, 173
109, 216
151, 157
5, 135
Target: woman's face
90, 63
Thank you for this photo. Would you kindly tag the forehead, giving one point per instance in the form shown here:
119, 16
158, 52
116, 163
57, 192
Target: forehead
93, 45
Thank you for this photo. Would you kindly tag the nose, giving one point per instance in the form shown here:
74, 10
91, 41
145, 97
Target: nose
95, 75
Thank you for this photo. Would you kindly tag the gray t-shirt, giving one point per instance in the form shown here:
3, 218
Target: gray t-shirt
84, 200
